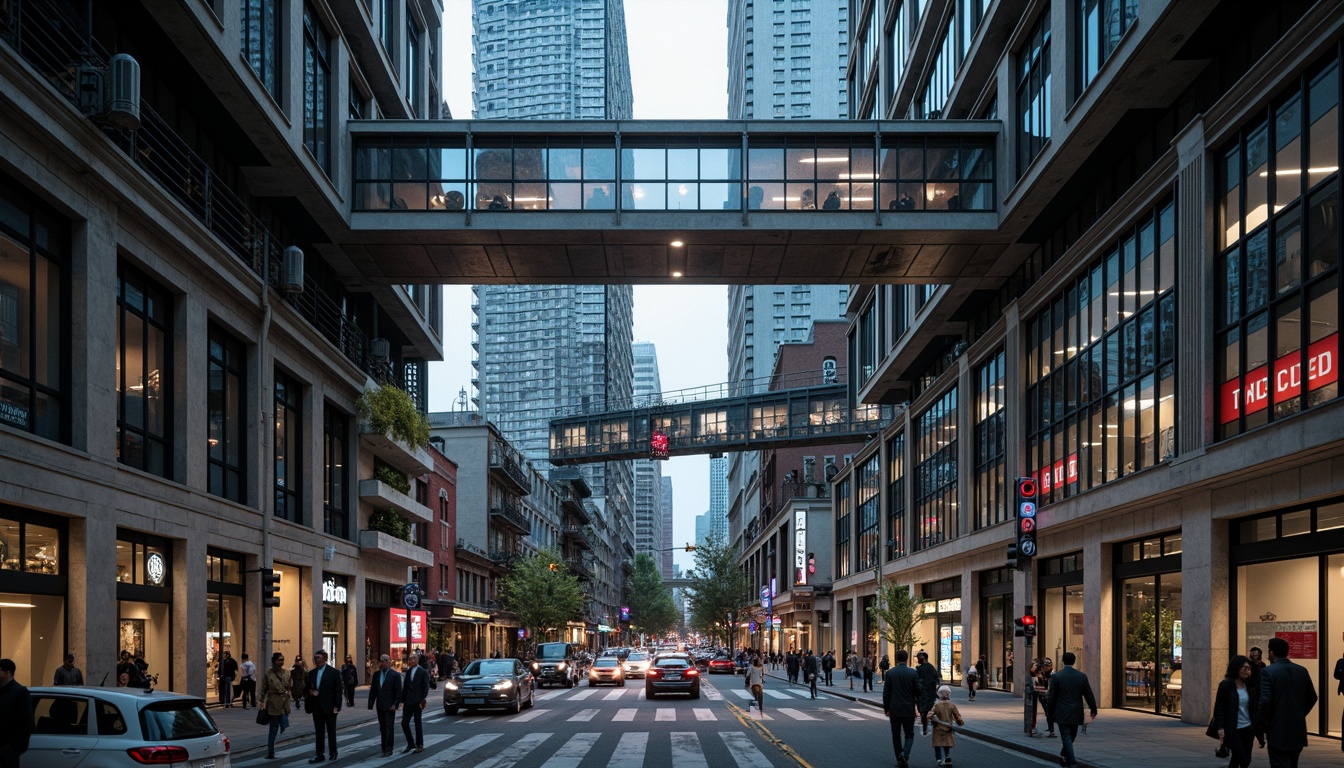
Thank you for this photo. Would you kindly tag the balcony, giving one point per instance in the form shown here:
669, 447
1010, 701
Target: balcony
400, 456
390, 548
627, 565
504, 468
572, 505
629, 550
580, 535
472, 553
510, 516
579, 568
380, 494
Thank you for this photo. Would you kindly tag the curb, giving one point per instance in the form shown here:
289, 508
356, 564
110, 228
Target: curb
988, 738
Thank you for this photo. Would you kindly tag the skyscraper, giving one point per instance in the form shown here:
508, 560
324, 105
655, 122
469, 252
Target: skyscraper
665, 508
703, 528
648, 473
787, 60
559, 59
718, 497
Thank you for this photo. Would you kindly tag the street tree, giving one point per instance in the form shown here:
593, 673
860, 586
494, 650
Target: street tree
896, 612
718, 594
542, 593
651, 606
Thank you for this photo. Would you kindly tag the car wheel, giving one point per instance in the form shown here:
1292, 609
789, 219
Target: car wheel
621, 684
447, 710
516, 705
695, 692
648, 695
531, 699
591, 684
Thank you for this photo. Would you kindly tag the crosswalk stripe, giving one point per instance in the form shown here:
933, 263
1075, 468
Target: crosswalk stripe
686, 751
703, 713
772, 694
666, 715
306, 748
513, 752
573, 752
630, 751
581, 695
713, 695
529, 716
616, 694
744, 753
624, 715
583, 716
795, 714
841, 713
741, 694
876, 714
464, 748
376, 758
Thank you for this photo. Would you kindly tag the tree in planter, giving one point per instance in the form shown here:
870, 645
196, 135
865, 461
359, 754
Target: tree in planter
391, 523
391, 477
896, 613
390, 411
542, 593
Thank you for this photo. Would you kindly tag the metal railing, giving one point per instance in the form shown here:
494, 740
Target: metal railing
505, 463
512, 516
57, 47
719, 391
582, 532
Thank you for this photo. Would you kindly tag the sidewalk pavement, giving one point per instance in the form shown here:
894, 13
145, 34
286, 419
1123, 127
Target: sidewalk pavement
1118, 738
240, 725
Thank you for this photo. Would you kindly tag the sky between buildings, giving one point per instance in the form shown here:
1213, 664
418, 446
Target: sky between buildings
678, 70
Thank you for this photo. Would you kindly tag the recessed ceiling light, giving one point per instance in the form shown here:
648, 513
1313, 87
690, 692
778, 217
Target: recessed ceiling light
676, 274
676, 243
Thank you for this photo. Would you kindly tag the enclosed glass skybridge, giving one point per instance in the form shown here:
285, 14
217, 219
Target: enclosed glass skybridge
806, 409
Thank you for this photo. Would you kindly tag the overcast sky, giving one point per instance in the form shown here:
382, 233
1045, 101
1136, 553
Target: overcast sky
678, 69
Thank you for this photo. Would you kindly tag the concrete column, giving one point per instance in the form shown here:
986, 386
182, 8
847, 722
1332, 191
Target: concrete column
965, 446
188, 615
1194, 224
1014, 383
93, 334
1205, 602
1099, 628
93, 592
190, 371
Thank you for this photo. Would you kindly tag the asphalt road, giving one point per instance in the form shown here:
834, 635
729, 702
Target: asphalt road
618, 728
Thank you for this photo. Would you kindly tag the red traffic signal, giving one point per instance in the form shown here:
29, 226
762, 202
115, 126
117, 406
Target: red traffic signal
658, 445
1029, 620
1026, 488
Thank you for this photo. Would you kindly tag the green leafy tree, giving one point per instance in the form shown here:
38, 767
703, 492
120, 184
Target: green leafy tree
896, 612
651, 606
718, 594
542, 593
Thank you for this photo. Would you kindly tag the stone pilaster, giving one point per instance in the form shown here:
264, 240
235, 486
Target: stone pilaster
1194, 223
1205, 603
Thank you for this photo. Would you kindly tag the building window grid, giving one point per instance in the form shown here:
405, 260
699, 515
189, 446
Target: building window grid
261, 42
869, 486
936, 474
991, 506
226, 401
1033, 94
1101, 366
412, 71
1278, 270
335, 473
896, 531
1100, 25
288, 448
843, 526
144, 381
317, 89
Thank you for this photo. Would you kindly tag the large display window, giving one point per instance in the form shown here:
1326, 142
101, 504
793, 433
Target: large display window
144, 603
335, 612
1060, 607
1150, 647
224, 617
996, 628
32, 593
940, 631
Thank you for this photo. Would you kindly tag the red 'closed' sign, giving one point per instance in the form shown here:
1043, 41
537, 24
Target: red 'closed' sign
1286, 383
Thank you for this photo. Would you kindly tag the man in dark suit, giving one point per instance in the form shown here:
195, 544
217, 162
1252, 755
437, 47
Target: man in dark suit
16, 712
385, 695
324, 702
900, 693
1064, 699
1286, 697
414, 697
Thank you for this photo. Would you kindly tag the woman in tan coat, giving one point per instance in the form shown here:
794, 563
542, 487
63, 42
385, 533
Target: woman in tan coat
943, 715
275, 693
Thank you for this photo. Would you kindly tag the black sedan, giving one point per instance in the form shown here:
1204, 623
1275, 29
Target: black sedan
489, 683
672, 674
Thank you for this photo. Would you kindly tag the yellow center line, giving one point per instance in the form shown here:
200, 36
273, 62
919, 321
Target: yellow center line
765, 733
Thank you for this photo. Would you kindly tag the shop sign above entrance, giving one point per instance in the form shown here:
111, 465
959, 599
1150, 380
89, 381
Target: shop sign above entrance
334, 594
467, 613
155, 569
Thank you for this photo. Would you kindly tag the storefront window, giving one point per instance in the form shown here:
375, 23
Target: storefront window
896, 497
335, 473
996, 627
288, 450
1151, 642
226, 406
843, 527
224, 617
335, 607
144, 602
870, 521
940, 631
32, 634
32, 592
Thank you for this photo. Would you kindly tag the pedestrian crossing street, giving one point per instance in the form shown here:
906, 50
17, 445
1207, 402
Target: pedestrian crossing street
553, 750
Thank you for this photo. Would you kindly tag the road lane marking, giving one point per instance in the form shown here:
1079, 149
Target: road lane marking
581, 695
666, 715
512, 753
462, 748
744, 753
795, 714
625, 715
529, 715
583, 716
704, 713
630, 751
876, 714
573, 752
773, 694
377, 757
841, 713
686, 752
616, 694
741, 693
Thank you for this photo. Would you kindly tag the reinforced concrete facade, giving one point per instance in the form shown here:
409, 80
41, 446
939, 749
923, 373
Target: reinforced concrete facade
1163, 364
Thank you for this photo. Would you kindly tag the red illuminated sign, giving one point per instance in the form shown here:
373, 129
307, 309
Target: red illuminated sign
1061, 473
397, 626
658, 445
1322, 369
1301, 645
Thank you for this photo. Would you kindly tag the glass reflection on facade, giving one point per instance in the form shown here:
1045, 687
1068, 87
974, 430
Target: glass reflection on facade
870, 522
844, 526
144, 373
936, 474
991, 506
288, 448
226, 415
896, 518
1277, 284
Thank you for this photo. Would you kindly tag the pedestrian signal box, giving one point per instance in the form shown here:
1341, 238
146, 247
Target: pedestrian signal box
1024, 548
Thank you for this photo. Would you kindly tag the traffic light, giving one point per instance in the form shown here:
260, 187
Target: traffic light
1025, 547
555, 567
690, 547
1026, 625
1012, 555
270, 589
658, 446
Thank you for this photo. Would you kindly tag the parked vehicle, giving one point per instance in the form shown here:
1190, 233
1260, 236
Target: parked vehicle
110, 727
722, 664
488, 683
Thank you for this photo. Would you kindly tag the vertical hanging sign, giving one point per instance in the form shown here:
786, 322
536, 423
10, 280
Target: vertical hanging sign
800, 546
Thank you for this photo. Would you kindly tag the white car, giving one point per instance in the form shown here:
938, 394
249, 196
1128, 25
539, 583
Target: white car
637, 664
108, 727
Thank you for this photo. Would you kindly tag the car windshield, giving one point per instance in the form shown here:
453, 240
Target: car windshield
489, 667
552, 651
606, 663
638, 657
671, 662
176, 720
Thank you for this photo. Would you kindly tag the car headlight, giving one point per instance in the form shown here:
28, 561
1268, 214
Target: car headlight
560, 667
503, 685
535, 665
450, 685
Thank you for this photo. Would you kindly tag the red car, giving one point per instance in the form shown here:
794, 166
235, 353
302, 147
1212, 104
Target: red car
722, 664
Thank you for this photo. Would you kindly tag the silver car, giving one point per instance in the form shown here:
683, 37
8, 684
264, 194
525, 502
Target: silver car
103, 727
